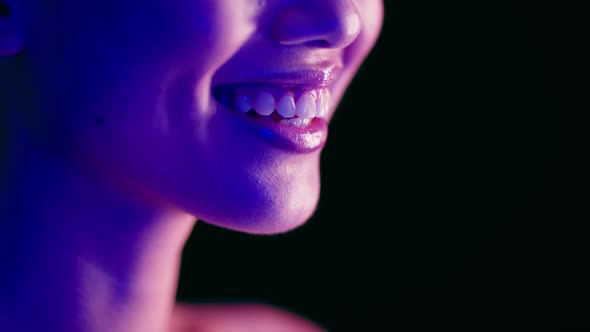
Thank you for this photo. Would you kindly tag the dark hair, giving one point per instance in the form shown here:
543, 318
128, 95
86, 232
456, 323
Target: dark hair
4, 9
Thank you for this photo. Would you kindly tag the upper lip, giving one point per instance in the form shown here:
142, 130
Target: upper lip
305, 78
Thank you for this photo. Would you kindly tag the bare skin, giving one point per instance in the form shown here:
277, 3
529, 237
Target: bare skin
238, 318
117, 140
125, 275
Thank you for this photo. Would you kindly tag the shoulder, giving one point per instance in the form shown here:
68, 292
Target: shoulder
238, 318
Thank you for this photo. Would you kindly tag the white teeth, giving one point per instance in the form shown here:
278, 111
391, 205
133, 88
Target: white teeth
296, 122
286, 106
323, 104
306, 106
243, 103
310, 104
265, 103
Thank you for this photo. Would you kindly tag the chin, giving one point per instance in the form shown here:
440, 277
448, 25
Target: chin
275, 217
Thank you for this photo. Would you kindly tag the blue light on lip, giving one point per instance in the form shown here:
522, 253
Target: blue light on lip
266, 133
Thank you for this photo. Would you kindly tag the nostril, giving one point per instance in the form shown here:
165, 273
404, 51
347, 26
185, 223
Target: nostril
328, 24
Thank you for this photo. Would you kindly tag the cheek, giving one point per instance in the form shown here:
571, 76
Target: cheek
83, 51
218, 30
371, 15
371, 12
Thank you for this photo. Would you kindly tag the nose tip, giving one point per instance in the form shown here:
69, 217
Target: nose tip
323, 23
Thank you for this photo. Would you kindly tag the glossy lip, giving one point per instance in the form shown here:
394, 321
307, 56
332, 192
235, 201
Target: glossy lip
293, 139
307, 79
313, 79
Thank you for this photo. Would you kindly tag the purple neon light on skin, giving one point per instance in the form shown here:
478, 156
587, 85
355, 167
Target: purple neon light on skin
128, 120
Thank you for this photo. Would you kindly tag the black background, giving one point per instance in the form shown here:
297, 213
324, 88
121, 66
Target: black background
453, 183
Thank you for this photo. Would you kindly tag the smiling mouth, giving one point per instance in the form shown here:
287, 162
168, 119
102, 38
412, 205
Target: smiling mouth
286, 105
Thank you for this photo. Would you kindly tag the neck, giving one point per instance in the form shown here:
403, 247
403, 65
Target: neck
78, 255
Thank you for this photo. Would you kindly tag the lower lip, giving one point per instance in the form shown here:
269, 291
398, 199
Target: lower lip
293, 139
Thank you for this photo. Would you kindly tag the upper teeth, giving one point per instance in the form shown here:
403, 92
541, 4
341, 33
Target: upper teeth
265, 103
243, 103
308, 105
322, 104
286, 106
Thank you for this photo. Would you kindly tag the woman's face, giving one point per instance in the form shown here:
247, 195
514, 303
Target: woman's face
217, 107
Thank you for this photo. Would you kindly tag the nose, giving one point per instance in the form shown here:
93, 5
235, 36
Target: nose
319, 23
